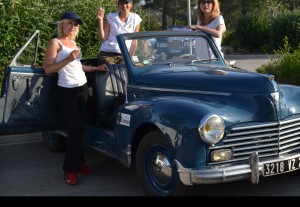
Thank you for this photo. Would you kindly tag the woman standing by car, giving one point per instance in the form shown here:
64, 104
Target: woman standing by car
63, 57
210, 20
116, 23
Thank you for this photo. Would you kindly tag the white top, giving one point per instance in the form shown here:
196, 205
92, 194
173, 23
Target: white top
72, 74
213, 25
118, 27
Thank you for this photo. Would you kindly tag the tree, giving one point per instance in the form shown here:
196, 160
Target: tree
169, 12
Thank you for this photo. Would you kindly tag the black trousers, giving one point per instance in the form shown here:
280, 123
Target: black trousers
73, 103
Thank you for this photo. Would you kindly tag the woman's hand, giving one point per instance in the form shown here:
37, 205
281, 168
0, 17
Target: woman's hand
194, 27
102, 68
74, 54
100, 14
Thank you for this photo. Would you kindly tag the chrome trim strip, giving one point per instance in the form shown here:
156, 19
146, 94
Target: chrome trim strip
255, 147
248, 143
290, 125
254, 132
290, 140
251, 138
287, 151
289, 121
255, 126
25, 73
295, 131
177, 90
260, 151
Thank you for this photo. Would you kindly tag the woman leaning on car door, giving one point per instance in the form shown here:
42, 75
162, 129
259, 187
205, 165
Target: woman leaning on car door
210, 20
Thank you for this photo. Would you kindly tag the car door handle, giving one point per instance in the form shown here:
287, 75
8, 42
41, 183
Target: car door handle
15, 82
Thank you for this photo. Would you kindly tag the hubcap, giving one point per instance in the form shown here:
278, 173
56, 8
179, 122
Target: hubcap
162, 169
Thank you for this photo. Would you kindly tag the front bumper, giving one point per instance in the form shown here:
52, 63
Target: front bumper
228, 173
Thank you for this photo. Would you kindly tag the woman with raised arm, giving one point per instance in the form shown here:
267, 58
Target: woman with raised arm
116, 23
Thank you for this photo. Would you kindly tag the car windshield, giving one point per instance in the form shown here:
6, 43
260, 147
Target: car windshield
171, 51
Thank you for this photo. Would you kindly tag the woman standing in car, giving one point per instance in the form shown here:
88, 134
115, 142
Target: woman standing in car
116, 23
210, 20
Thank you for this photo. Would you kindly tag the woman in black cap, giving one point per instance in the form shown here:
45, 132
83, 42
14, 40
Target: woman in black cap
210, 20
117, 23
63, 57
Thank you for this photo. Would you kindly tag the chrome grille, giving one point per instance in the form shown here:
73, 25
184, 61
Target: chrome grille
268, 139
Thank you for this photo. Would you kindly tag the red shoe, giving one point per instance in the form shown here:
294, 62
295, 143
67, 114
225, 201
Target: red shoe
71, 178
84, 169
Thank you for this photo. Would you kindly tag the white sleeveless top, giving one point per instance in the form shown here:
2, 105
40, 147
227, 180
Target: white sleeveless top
72, 74
118, 27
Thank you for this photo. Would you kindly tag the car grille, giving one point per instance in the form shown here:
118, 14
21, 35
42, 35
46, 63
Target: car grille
268, 139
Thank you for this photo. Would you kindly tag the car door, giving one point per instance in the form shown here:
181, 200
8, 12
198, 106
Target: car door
28, 101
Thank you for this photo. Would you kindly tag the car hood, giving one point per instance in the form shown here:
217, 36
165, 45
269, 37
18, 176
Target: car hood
212, 78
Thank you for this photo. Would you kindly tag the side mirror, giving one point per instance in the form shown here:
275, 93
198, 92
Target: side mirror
231, 63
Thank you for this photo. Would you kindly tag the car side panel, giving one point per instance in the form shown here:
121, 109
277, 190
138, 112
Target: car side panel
30, 101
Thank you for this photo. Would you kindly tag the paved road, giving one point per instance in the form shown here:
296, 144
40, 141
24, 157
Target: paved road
249, 62
27, 168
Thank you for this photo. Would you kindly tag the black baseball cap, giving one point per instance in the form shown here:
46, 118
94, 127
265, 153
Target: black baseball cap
71, 15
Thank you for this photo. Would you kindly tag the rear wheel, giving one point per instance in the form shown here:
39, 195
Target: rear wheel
156, 168
54, 140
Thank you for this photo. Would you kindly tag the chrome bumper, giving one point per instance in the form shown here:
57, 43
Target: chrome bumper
222, 174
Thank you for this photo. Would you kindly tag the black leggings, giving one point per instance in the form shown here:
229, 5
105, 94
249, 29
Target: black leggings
73, 104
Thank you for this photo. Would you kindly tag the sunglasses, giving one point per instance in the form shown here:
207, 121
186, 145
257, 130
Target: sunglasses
72, 23
206, 1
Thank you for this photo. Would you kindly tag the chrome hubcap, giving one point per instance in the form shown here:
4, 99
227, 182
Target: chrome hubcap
162, 169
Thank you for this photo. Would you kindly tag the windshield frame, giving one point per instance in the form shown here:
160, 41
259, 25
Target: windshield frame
135, 69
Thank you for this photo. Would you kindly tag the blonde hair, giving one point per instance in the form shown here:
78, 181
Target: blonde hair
215, 12
60, 32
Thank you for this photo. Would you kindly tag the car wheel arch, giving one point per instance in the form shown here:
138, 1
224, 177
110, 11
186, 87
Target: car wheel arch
153, 146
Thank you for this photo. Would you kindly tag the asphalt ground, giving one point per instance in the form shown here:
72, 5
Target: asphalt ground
249, 62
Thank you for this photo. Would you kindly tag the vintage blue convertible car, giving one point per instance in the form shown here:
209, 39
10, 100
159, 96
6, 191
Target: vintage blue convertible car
181, 120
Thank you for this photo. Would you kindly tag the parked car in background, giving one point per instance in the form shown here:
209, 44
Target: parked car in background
181, 120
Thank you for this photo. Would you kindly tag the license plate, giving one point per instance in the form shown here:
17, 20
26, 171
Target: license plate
274, 168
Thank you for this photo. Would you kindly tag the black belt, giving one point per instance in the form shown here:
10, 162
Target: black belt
110, 53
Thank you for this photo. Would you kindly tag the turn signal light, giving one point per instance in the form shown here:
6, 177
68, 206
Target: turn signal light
221, 155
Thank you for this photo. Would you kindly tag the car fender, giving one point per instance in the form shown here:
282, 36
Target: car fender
289, 101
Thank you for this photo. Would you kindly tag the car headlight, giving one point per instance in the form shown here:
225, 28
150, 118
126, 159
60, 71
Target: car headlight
211, 129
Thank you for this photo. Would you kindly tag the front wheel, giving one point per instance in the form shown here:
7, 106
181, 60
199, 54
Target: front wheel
156, 168
55, 141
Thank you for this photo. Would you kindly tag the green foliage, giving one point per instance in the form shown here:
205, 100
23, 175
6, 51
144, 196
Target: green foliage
248, 22
252, 31
286, 66
20, 18
286, 24
167, 12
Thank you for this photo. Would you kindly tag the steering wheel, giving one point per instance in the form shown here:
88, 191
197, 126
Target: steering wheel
184, 57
